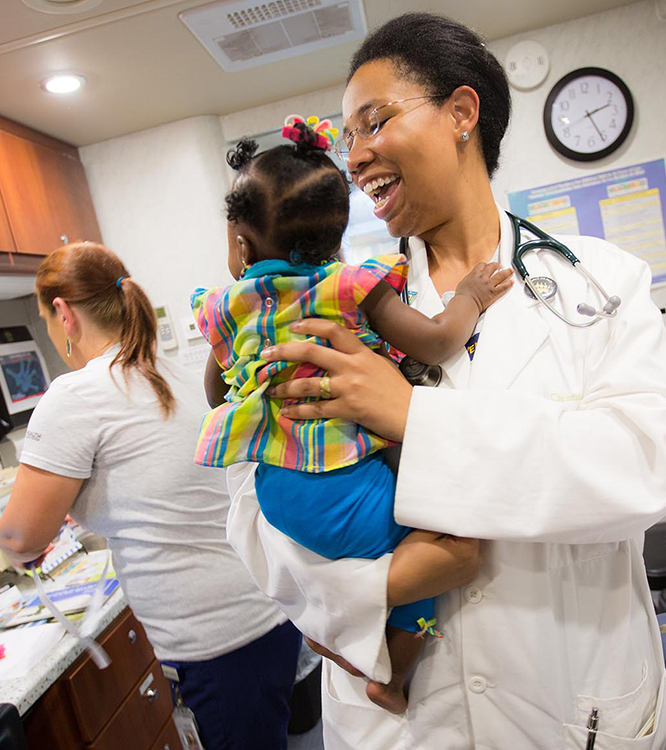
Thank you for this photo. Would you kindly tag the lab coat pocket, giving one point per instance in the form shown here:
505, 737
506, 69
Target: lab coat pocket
566, 555
351, 721
621, 719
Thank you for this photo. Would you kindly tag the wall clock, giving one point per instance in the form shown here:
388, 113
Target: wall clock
588, 114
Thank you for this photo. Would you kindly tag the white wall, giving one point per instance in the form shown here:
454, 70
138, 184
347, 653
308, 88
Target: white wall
631, 42
270, 117
159, 193
159, 198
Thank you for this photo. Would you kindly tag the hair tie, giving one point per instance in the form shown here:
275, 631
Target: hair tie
310, 132
120, 280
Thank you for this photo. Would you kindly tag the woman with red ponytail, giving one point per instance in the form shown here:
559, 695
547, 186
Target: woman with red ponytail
112, 444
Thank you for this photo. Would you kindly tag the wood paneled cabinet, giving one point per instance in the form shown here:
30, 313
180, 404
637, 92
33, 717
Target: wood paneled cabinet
125, 706
6, 237
44, 193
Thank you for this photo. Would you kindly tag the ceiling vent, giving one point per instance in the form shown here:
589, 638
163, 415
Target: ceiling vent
242, 35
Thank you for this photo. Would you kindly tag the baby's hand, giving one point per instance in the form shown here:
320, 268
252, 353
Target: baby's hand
486, 283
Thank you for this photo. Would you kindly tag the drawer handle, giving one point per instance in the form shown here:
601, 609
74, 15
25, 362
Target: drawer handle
151, 694
167, 746
132, 636
64, 239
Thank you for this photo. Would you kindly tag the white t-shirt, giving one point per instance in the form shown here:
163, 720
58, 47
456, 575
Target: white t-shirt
163, 516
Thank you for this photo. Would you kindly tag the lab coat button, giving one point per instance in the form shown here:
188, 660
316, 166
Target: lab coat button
477, 684
473, 594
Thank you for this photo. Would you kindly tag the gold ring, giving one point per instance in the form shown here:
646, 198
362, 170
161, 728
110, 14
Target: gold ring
325, 388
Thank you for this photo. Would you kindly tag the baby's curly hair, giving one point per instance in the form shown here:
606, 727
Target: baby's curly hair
293, 196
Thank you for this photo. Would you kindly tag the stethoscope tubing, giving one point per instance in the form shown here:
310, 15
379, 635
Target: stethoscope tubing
546, 242
543, 241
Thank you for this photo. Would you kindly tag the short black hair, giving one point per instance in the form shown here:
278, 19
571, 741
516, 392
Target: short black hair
441, 55
294, 197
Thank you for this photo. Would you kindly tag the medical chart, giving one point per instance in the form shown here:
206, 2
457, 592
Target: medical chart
625, 206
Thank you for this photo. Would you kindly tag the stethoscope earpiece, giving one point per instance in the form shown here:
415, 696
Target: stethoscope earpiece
585, 309
613, 303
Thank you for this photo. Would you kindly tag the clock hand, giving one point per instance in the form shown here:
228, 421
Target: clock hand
587, 114
598, 109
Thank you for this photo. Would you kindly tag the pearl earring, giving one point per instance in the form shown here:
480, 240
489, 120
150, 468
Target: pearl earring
68, 346
464, 136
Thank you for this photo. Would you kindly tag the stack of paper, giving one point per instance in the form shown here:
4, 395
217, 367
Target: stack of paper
22, 649
70, 590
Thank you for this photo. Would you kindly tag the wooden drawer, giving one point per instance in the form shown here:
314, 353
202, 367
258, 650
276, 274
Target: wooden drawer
138, 721
50, 722
168, 739
96, 693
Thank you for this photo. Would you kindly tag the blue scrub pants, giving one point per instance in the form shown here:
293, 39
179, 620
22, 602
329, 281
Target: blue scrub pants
241, 700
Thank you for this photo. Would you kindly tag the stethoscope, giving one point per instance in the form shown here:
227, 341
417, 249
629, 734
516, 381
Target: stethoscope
542, 288
541, 291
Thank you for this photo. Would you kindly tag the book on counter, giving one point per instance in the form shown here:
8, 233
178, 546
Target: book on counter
29, 608
71, 591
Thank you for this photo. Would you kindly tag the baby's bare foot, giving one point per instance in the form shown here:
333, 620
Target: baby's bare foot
390, 697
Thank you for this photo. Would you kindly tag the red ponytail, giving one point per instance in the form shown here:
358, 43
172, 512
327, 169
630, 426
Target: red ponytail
91, 276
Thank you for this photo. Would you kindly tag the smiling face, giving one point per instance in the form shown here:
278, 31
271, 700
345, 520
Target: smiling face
410, 167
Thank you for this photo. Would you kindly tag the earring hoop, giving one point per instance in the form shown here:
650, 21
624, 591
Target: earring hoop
68, 347
464, 136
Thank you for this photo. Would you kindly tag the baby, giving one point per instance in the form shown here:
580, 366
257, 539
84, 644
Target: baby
324, 482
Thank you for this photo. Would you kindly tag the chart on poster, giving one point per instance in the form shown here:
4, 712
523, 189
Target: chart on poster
625, 206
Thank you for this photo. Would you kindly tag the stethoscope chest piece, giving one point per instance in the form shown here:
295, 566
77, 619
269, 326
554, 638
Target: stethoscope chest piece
418, 373
546, 287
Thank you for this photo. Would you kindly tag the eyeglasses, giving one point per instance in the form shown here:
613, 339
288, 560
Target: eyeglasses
371, 122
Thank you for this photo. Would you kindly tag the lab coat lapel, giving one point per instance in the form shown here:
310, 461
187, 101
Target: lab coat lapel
427, 300
513, 328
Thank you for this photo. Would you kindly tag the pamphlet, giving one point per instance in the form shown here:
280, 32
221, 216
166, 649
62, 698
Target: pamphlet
71, 590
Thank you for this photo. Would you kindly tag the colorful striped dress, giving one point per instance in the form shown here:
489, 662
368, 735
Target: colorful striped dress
255, 312
324, 482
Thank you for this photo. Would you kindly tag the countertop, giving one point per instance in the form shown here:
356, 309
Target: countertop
25, 691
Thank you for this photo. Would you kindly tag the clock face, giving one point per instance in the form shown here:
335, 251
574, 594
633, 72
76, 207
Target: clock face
588, 114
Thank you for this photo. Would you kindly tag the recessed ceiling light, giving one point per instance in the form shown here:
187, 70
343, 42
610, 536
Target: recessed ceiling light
63, 84
56, 7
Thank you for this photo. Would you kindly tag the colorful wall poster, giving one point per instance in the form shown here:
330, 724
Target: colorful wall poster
625, 206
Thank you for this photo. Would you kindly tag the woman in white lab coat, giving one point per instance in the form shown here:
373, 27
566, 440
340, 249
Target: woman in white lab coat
550, 445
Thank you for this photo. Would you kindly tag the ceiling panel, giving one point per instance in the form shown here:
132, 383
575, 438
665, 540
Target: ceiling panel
19, 21
144, 68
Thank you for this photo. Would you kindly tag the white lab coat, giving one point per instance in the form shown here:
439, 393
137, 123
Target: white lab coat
552, 445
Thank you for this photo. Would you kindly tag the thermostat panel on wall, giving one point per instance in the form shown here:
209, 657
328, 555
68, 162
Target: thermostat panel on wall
166, 334
190, 328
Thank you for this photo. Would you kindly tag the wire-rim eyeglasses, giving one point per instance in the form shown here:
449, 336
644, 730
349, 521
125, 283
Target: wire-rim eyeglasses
370, 123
